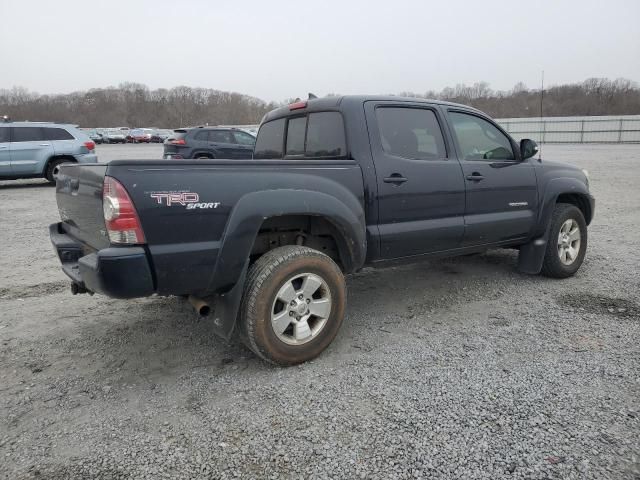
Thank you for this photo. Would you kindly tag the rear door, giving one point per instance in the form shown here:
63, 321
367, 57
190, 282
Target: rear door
61, 140
420, 184
29, 150
502, 195
5, 156
244, 144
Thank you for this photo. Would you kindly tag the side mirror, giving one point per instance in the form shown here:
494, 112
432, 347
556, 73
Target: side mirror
528, 148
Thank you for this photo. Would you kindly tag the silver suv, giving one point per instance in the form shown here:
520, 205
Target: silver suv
34, 149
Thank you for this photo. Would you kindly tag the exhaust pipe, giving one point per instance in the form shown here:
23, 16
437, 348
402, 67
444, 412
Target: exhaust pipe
200, 306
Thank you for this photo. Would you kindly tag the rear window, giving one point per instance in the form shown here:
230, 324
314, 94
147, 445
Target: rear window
325, 135
270, 140
317, 135
295, 135
58, 134
178, 134
27, 134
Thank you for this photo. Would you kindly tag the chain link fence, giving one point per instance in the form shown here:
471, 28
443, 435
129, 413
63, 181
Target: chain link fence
623, 129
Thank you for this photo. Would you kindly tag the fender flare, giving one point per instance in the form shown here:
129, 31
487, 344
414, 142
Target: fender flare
345, 214
554, 188
531, 254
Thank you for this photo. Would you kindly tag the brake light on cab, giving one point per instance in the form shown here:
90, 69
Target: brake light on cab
120, 216
298, 105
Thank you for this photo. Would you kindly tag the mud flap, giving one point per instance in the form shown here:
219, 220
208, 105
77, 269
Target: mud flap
226, 307
531, 256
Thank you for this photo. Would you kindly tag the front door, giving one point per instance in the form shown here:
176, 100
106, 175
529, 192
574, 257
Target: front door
502, 195
5, 156
244, 144
419, 180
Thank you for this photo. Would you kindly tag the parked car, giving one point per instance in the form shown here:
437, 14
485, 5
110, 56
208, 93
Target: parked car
140, 135
114, 136
94, 135
33, 149
209, 142
159, 136
335, 184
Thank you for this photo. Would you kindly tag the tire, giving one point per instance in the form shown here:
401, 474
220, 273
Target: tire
52, 168
203, 157
279, 274
564, 256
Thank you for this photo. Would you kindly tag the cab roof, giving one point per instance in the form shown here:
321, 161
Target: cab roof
344, 101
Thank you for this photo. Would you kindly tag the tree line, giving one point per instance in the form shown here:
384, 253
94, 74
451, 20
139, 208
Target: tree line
594, 96
135, 105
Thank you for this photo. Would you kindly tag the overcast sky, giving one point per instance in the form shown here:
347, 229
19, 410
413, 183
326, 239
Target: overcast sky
281, 49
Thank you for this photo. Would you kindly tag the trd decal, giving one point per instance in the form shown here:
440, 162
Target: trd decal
190, 200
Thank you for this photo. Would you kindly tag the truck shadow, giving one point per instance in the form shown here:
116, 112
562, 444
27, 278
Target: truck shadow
156, 339
38, 183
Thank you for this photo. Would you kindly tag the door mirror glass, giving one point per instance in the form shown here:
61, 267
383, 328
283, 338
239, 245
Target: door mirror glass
528, 148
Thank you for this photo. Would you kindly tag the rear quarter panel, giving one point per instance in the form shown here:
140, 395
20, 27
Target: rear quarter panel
185, 238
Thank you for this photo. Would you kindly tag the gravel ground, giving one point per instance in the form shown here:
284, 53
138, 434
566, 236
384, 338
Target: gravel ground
458, 368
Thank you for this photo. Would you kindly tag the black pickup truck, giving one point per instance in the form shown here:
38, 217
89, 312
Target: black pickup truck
335, 184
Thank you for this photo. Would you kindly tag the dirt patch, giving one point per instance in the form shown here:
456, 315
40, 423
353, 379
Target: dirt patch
30, 291
600, 304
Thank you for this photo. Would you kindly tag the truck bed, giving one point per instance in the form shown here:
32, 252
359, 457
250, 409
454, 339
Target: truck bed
185, 208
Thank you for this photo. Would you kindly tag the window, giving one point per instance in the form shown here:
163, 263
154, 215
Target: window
295, 135
244, 138
220, 136
325, 135
202, 136
4, 134
26, 134
57, 134
270, 140
411, 133
478, 139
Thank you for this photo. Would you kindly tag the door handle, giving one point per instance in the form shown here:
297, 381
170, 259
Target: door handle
475, 177
395, 178
44, 144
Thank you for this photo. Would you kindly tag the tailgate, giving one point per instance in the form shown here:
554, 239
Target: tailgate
79, 197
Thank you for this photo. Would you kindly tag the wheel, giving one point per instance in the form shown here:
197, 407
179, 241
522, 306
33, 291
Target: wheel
203, 157
52, 170
293, 305
567, 242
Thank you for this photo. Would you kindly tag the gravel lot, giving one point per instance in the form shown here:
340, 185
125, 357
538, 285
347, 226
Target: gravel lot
458, 368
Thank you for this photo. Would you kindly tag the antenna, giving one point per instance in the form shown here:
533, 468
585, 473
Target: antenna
541, 116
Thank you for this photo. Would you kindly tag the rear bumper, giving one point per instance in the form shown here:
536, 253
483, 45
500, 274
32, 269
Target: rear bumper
87, 158
118, 272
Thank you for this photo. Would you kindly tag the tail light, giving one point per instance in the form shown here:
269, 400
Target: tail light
177, 141
90, 145
120, 216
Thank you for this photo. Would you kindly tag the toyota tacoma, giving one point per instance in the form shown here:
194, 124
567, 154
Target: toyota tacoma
262, 245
